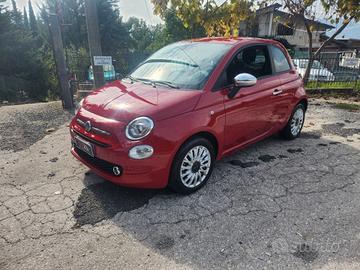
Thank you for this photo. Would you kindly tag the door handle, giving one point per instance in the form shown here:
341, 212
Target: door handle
277, 92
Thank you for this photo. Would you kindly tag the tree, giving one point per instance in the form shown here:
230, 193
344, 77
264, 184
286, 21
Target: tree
214, 19
160, 38
72, 17
22, 71
338, 10
114, 34
343, 10
175, 29
16, 14
141, 35
32, 20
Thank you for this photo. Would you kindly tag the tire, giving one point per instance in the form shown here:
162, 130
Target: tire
187, 174
295, 124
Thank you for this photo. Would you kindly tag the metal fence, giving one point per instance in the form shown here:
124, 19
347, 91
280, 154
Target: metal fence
331, 71
81, 80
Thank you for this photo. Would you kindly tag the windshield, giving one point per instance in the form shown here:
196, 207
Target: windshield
304, 62
184, 65
317, 65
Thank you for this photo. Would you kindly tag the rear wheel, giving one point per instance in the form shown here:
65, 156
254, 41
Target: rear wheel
192, 166
295, 124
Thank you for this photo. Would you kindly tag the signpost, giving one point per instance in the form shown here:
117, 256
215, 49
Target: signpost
102, 60
350, 62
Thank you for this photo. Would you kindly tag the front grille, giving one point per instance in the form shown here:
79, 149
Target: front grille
98, 163
93, 129
91, 140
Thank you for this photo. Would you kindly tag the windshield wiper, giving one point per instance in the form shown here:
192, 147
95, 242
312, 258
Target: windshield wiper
152, 82
167, 83
155, 82
131, 78
156, 60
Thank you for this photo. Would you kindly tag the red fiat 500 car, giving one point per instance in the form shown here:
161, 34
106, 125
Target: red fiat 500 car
185, 107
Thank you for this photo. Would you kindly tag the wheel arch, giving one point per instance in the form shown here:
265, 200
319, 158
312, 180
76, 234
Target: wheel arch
202, 134
304, 102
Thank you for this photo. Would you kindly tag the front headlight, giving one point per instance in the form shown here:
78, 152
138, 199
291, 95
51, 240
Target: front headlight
139, 128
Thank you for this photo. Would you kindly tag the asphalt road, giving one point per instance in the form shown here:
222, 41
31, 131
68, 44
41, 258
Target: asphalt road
275, 205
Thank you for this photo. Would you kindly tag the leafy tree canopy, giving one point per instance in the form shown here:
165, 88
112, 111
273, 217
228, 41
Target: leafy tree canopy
215, 19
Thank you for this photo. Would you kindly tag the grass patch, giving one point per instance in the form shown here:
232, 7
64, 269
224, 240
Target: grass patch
347, 106
333, 85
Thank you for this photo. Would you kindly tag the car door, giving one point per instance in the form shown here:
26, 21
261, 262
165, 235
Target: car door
289, 80
249, 112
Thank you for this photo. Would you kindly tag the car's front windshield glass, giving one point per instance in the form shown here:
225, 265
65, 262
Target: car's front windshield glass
303, 63
317, 65
184, 65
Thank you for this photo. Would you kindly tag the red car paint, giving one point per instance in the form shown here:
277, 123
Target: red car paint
252, 115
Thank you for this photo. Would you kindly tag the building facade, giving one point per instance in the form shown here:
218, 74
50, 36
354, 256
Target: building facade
271, 22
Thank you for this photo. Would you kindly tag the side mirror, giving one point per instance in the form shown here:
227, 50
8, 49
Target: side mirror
242, 80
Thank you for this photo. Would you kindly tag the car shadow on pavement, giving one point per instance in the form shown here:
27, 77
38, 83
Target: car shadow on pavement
270, 205
104, 200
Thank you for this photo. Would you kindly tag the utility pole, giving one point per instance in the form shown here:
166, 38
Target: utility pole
94, 40
58, 48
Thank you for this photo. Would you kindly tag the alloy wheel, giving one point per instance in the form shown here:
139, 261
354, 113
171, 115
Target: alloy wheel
297, 121
195, 166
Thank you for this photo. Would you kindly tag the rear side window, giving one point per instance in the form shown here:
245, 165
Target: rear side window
280, 61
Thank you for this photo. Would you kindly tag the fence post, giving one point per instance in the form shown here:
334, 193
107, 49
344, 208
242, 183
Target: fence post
317, 75
357, 81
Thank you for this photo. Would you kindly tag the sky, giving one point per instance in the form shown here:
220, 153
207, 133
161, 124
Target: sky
128, 8
144, 9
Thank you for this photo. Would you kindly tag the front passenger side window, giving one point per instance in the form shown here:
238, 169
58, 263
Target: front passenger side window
254, 60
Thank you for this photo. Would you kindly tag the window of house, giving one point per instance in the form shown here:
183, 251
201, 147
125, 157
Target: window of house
280, 61
285, 30
254, 60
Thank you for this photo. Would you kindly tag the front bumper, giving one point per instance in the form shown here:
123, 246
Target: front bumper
133, 173
152, 172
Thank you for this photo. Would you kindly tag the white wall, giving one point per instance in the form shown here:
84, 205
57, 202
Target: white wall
299, 38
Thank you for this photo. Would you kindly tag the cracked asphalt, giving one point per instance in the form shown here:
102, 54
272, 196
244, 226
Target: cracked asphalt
275, 205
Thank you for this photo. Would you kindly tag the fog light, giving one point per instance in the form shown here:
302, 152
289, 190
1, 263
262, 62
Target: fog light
141, 152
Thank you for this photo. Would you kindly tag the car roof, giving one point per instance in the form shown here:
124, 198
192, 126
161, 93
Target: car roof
235, 40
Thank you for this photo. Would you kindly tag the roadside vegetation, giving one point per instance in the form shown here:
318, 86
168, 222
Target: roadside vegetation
333, 85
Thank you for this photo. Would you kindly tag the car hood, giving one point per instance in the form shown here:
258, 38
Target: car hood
125, 101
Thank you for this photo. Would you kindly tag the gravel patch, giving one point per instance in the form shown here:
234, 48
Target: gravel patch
23, 125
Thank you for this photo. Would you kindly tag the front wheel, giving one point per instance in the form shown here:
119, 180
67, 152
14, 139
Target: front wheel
293, 128
192, 166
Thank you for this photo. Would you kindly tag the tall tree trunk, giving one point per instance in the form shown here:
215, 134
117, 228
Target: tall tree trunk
311, 56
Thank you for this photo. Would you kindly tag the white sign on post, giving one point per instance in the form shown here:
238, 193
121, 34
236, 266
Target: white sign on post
102, 60
350, 62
